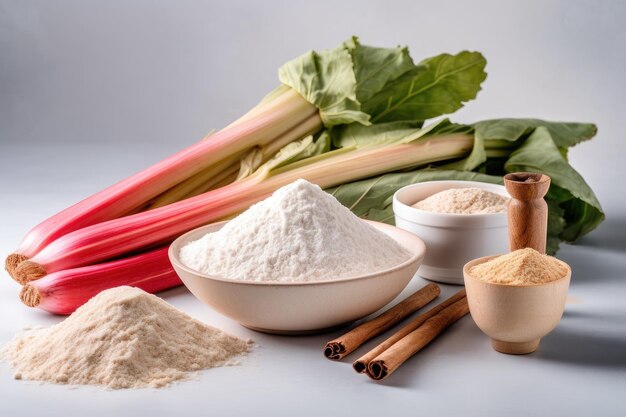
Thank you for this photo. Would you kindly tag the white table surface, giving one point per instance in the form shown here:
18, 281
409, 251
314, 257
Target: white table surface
90, 93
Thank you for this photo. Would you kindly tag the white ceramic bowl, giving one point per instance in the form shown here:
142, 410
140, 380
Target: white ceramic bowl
452, 239
298, 308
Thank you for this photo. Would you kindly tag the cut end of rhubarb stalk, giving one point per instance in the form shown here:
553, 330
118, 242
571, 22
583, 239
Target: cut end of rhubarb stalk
30, 295
333, 351
12, 261
28, 271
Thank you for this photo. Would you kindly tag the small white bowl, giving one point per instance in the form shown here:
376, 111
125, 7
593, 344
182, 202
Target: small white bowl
305, 307
452, 239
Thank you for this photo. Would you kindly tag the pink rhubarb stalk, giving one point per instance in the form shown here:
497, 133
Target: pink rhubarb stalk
116, 237
64, 291
270, 121
207, 179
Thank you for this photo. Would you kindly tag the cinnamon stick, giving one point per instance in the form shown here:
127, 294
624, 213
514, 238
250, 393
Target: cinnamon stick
386, 363
360, 365
340, 347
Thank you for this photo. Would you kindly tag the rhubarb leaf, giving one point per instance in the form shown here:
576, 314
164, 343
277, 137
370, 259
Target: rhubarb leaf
556, 221
250, 162
359, 136
293, 152
445, 126
306, 147
326, 79
372, 198
564, 134
374, 67
582, 210
436, 86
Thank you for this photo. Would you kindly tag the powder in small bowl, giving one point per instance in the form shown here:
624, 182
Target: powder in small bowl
122, 338
521, 267
470, 200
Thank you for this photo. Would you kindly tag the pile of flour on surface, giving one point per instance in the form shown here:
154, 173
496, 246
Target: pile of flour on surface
300, 233
464, 201
122, 338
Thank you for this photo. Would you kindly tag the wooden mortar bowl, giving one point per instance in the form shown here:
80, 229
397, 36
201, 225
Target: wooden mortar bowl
515, 317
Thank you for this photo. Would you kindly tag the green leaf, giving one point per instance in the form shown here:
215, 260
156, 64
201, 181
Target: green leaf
564, 134
556, 222
296, 151
293, 152
356, 135
374, 67
582, 210
445, 126
326, 79
250, 162
372, 198
436, 86
359, 136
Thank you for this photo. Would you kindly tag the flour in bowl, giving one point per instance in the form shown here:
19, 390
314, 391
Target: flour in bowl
299, 234
464, 201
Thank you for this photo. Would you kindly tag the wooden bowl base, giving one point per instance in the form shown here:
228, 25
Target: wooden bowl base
515, 348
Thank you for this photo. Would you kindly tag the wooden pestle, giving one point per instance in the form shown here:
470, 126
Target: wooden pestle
528, 211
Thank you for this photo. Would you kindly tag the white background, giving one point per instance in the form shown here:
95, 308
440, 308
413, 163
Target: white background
92, 91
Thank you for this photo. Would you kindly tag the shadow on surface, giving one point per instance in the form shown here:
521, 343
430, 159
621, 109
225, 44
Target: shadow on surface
609, 235
594, 318
583, 349
174, 292
305, 342
594, 267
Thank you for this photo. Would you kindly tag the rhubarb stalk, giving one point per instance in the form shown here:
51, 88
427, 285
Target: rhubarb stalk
275, 119
113, 238
206, 180
64, 291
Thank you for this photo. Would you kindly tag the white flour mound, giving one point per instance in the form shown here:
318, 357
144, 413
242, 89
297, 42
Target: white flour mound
122, 338
300, 233
464, 201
